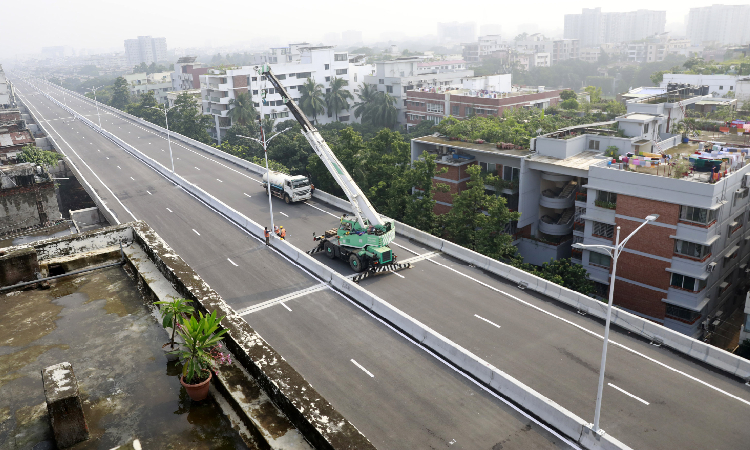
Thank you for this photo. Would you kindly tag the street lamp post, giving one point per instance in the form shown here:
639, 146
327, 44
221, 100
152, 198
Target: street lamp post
264, 142
93, 90
614, 253
166, 121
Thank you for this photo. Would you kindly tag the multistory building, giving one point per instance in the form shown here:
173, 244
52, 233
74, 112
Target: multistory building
145, 49
296, 65
398, 76
684, 269
159, 83
483, 47
187, 74
652, 49
565, 49
593, 27
725, 24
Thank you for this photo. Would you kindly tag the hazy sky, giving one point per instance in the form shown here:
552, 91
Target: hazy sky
104, 24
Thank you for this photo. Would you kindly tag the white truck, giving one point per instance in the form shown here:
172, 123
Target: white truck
290, 188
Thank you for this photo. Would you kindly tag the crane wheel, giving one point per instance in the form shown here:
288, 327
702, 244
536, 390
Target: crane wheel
330, 251
355, 263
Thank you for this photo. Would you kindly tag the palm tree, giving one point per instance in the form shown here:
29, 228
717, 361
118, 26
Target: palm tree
338, 97
366, 97
311, 100
383, 110
243, 111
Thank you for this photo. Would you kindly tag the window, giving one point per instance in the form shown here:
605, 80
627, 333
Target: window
292, 88
593, 145
340, 57
255, 92
511, 173
355, 77
270, 91
604, 230
389, 89
343, 118
381, 81
469, 111
435, 107
304, 75
691, 249
606, 198
698, 215
488, 167
255, 78
599, 259
342, 71
281, 76
731, 88
678, 312
455, 110
328, 66
257, 105
328, 90
721, 88
735, 225
687, 283
328, 79
645, 128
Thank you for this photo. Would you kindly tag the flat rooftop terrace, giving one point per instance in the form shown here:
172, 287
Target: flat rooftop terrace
99, 323
486, 147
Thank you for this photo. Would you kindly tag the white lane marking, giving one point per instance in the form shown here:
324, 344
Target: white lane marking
363, 369
219, 180
283, 214
488, 321
233, 263
398, 275
107, 157
247, 194
195, 168
132, 178
334, 215
599, 336
628, 394
282, 299
119, 167
169, 210
287, 308
196, 232
149, 193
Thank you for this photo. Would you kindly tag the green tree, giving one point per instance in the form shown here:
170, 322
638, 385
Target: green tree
186, 119
243, 112
384, 112
568, 94
420, 209
563, 272
569, 104
311, 101
366, 98
141, 68
477, 220
32, 154
595, 93
338, 97
145, 109
121, 94
693, 62
658, 77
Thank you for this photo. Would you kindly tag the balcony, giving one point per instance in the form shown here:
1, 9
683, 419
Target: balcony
582, 197
557, 225
559, 198
605, 204
215, 99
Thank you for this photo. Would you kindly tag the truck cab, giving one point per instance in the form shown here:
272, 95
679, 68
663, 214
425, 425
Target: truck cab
290, 188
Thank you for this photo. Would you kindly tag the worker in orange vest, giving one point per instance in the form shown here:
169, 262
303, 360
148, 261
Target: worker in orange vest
268, 235
282, 232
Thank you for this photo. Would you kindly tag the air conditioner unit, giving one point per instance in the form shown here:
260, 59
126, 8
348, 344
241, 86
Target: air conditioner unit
711, 267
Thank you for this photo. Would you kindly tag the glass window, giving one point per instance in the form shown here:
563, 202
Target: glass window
511, 173
681, 313
687, 283
342, 71
603, 230
389, 89
328, 79
599, 259
455, 110
593, 145
604, 196
691, 249
328, 66
699, 215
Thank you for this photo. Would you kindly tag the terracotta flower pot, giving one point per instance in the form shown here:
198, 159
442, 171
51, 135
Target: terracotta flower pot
197, 392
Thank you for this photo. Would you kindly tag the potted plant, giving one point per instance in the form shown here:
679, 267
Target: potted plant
171, 312
200, 353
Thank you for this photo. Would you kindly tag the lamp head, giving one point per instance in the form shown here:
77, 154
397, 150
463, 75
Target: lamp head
652, 217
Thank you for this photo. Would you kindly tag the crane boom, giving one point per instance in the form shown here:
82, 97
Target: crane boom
366, 214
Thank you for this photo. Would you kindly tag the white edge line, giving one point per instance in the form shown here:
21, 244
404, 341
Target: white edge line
196, 232
628, 393
233, 263
363, 369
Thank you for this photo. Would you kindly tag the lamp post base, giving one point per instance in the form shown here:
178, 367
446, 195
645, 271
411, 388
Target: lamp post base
600, 432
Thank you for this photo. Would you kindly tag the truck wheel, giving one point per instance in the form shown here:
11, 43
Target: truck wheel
330, 251
287, 199
355, 263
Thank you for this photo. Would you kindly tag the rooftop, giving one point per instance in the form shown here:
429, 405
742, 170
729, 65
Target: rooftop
441, 63
485, 147
581, 161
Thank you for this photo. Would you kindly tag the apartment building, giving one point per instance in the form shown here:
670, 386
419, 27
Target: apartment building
594, 27
187, 72
6, 93
681, 271
145, 49
565, 49
485, 46
649, 50
726, 24
443, 66
591, 54
398, 76
220, 86
195, 93
159, 83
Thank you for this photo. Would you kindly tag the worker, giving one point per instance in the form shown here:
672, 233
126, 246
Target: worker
312, 189
267, 234
282, 233
276, 230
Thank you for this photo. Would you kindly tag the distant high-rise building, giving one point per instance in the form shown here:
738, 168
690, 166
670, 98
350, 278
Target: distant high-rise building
332, 38
351, 37
593, 27
455, 32
490, 28
726, 24
145, 49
